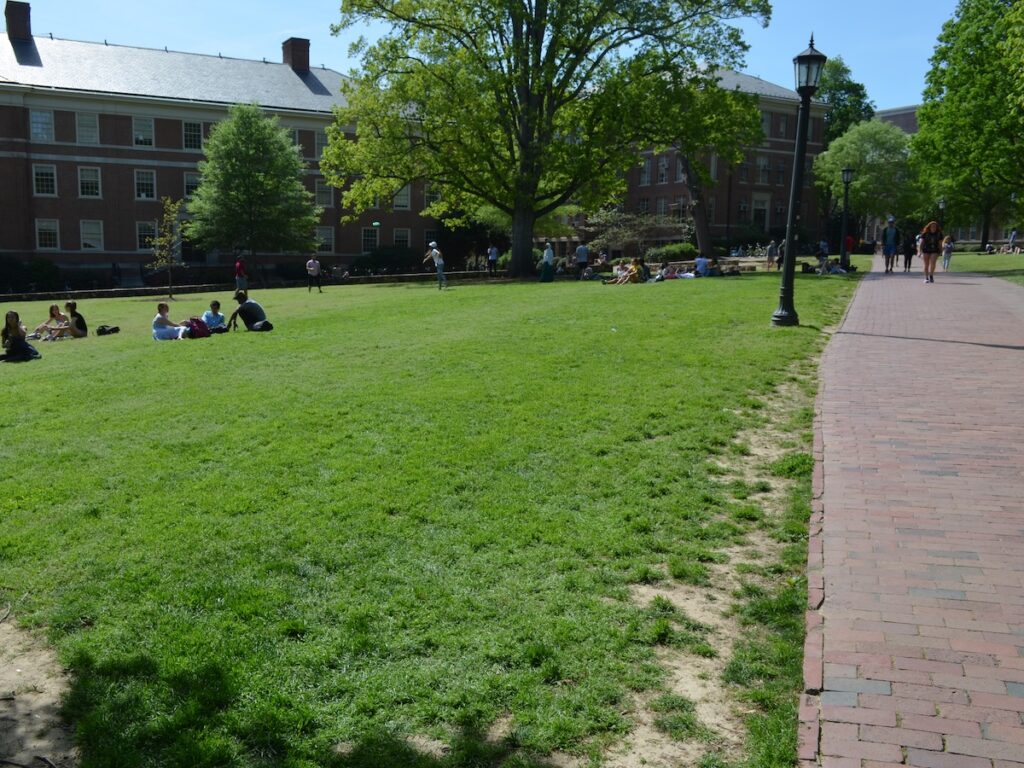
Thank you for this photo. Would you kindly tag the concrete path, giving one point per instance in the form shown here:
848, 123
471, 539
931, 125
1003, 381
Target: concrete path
915, 648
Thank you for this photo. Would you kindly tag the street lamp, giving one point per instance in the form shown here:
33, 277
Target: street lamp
808, 66
844, 257
942, 210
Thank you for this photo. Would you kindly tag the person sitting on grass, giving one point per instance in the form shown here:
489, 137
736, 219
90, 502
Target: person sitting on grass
76, 327
164, 329
214, 319
12, 339
252, 315
55, 321
630, 275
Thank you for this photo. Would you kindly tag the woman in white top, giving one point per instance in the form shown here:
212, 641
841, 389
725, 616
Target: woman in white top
163, 328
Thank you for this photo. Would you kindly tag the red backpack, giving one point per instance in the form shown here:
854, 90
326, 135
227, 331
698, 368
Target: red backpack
197, 328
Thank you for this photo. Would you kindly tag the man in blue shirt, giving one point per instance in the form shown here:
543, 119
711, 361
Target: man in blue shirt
890, 243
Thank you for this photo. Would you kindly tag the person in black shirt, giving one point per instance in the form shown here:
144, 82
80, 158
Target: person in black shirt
931, 247
76, 327
252, 315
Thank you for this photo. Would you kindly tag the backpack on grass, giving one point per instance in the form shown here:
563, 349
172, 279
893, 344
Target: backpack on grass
197, 328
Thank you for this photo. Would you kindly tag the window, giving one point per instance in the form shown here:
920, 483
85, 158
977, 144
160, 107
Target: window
661, 206
663, 170
324, 194
401, 202
87, 127
645, 172
47, 234
644, 205
402, 238
142, 131
371, 238
780, 173
321, 143
744, 172
145, 185
325, 239
430, 195
743, 210
764, 170
92, 235
192, 179
714, 167
766, 124
41, 127
44, 180
89, 182
680, 209
192, 135
429, 236
145, 231
680, 169
783, 125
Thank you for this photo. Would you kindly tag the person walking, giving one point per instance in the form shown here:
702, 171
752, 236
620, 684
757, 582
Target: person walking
947, 252
930, 247
909, 249
890, 242
771, 255
547, 265
314, 273
582, 260
492, 260
434, 253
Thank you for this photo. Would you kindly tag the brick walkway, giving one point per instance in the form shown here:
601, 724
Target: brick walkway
915, 648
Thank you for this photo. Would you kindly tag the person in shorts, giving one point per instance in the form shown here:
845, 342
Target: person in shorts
241, 278
314, 273
890, 244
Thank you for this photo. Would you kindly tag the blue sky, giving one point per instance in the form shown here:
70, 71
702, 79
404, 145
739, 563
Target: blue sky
886, 43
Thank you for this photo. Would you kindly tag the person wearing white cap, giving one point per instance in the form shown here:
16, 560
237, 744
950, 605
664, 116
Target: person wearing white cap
890, 243
435, 254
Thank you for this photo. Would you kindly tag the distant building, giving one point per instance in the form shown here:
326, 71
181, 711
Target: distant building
904, 118
93, 135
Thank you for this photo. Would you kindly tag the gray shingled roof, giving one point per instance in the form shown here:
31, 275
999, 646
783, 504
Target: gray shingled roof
69, 65
730, 80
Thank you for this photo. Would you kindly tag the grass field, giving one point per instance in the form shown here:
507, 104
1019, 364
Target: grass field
1007, 266
404, 512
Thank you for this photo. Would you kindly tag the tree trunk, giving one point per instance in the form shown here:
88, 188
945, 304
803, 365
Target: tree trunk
700, 213
986, 222
521, 261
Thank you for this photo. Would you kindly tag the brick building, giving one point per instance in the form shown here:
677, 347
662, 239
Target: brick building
92, 136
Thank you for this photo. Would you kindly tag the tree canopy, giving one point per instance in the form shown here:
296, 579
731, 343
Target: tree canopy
525, 107
847, 99
251, 193
879, 154
970, 145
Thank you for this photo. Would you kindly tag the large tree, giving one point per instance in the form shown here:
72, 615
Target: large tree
970, 143
251, 193
847, 99
523, 106
879, 154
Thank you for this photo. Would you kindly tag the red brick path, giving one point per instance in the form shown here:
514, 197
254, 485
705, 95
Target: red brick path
915, 646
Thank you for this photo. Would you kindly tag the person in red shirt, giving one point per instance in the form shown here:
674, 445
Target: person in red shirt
241, 278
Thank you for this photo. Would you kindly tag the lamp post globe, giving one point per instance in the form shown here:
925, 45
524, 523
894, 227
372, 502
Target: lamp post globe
808, 66
844, 256
942, 211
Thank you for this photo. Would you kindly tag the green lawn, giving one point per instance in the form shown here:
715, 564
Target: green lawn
1007, 266
402, 512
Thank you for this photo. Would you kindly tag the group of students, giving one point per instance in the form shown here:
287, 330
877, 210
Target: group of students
14, 338
213, 321
929, 244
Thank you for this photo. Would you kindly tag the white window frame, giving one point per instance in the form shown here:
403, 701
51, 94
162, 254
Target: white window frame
98, 236
321, 143
403, 199
325, 239
41, 125
644, 205
47, 171
198, 179
714, 167
661, 206
324, 193
783, 125
99, 182
663, 170
645, 172
408, 237
51, 225
430, 195
87, 128
680, 172
185, 135
143, 132
764, 170
151, 225
152, 174
363, 239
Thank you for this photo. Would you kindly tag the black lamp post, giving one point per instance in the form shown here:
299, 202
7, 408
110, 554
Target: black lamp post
844, 257
808, 67
942, 211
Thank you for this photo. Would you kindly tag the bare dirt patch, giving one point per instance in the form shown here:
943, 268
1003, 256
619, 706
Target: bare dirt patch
32, 684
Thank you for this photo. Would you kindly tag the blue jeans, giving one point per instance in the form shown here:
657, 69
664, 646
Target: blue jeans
441, 279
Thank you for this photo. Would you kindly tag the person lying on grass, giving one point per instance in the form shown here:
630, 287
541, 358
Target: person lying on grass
164, 329
252, 315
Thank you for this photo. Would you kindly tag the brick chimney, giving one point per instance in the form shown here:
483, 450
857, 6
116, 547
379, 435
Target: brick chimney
19, 20
296, 53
